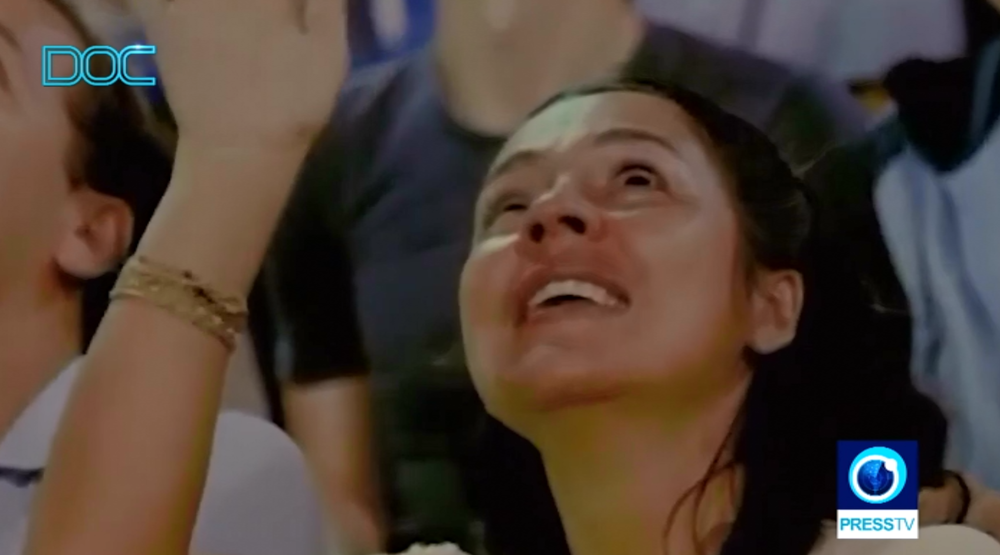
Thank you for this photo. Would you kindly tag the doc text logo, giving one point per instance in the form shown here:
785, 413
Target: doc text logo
118, 68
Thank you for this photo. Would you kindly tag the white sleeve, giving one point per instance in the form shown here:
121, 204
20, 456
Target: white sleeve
259, 498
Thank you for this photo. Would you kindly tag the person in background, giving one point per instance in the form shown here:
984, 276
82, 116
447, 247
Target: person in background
365, 267
983, 23
381, 30
851, 40
920, 199
80, 176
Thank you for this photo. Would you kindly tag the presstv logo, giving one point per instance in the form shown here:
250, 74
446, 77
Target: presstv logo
877, 490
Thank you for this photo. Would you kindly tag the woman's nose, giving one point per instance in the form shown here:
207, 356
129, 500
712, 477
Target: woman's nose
555, 223
561, 214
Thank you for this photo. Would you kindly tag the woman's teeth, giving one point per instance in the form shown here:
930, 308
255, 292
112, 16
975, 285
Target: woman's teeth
581, 290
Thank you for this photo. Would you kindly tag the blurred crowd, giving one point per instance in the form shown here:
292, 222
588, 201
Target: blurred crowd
887, 109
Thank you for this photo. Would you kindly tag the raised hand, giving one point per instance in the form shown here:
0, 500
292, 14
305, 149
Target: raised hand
248, 72
943, 505
250, 83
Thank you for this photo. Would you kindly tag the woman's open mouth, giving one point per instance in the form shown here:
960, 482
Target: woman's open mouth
571, 296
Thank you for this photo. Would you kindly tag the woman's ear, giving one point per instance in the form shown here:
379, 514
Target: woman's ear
97, 236
776, 305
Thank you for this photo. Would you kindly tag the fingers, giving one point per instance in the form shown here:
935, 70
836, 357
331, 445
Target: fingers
984, 511
299, 8
324, 16
935, 506
148, 11
320, 15
326, 28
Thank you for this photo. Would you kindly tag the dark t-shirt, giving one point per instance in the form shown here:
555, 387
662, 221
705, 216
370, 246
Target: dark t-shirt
365, 272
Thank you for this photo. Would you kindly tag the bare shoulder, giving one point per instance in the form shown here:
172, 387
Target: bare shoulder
934, 540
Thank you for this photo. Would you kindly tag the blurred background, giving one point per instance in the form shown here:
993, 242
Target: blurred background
855, 42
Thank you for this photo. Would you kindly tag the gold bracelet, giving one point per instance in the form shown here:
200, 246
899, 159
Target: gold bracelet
185, 296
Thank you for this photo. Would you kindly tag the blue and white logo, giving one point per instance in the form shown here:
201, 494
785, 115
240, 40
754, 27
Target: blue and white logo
118, 66
877, 475
877, 491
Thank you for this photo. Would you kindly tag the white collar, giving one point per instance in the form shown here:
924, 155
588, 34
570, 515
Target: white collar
26, 446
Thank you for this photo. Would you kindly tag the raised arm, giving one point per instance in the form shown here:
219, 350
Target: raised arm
251, 82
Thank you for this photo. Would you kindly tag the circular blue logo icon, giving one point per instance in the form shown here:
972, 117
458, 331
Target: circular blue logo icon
877, 475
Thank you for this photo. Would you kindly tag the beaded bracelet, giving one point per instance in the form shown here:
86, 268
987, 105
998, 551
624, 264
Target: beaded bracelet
965, 493
185, 296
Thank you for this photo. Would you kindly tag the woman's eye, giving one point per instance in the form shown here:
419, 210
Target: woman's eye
504, 208
501, 207
638, 175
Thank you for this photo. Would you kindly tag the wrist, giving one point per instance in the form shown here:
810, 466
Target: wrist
251, 138
218, 160
220, 210
961, 497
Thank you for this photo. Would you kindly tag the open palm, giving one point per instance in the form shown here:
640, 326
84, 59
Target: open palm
248, 71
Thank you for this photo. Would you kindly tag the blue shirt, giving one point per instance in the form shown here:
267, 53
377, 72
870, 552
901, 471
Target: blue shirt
368, 47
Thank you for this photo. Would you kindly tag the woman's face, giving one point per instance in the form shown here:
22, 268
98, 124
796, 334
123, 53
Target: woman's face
606, 264
35, 137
